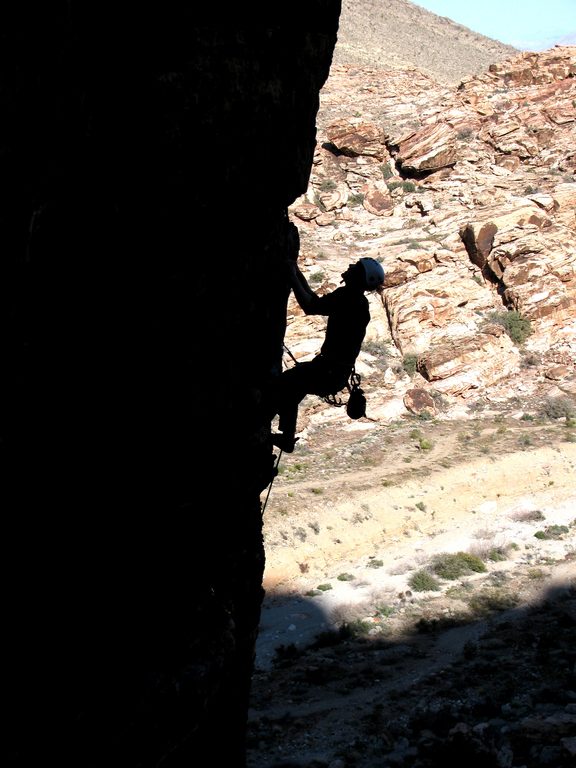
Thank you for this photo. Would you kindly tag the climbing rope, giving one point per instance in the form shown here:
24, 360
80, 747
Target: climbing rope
271, 481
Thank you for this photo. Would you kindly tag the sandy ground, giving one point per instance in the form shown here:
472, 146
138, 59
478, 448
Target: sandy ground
363, 531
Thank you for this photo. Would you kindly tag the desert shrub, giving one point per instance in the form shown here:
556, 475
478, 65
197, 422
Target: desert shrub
516, 326
316, 277
378, 349
465, 133
552, 532
331, 637
410, 363
327, 185
345, 577
356, 199
497, 554
429, 624
356, 628
442, 403
492, 601
407, 186
557, 408
424, 581
315, 526
530, 360
528, 515
453, 565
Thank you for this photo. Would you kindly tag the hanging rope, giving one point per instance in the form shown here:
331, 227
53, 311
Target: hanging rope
290, 353
271, 481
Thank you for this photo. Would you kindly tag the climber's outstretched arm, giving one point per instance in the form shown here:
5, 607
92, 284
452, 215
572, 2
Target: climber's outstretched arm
305, 296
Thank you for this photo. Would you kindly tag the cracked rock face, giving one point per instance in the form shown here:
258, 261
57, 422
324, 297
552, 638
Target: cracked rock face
467, 196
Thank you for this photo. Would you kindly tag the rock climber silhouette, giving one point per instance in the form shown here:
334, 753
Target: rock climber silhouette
328, 372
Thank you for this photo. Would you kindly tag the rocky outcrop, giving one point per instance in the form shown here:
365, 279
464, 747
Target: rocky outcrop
469, 204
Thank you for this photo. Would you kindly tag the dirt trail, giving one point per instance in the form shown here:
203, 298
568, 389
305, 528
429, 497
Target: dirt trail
360, 514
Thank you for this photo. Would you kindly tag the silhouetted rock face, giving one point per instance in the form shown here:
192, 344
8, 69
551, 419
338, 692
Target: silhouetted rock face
133, 450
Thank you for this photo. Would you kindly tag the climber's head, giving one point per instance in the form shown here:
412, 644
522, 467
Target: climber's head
366, 273
373, 274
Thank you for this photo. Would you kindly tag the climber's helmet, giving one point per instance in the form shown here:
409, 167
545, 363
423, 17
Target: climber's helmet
373, 274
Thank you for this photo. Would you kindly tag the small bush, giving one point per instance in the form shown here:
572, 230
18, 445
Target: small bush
406, 186
324, 587
356, 199
516, 326
465, 134
452, 566
528, 515
424, 581
345, 577
387, 172
330, 638
557, 408
327, 185
316, 277
497, 555
410, 363
530, 360
552, 532
492, 601
356, 628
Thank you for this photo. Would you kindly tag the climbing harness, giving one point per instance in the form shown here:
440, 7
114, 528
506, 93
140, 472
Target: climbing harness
356, 405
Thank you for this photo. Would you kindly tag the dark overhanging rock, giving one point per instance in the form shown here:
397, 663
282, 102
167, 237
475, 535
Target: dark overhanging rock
141, 315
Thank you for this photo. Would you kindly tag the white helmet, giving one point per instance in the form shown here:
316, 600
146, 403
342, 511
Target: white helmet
374, 274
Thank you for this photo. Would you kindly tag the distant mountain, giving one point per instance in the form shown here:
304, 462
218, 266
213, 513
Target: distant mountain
399, 34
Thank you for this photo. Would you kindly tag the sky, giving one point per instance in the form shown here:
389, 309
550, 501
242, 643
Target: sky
529, 25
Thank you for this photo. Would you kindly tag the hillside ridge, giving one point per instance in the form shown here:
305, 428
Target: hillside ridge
398, 34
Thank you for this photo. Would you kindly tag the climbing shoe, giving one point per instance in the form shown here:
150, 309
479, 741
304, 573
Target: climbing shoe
286, 443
